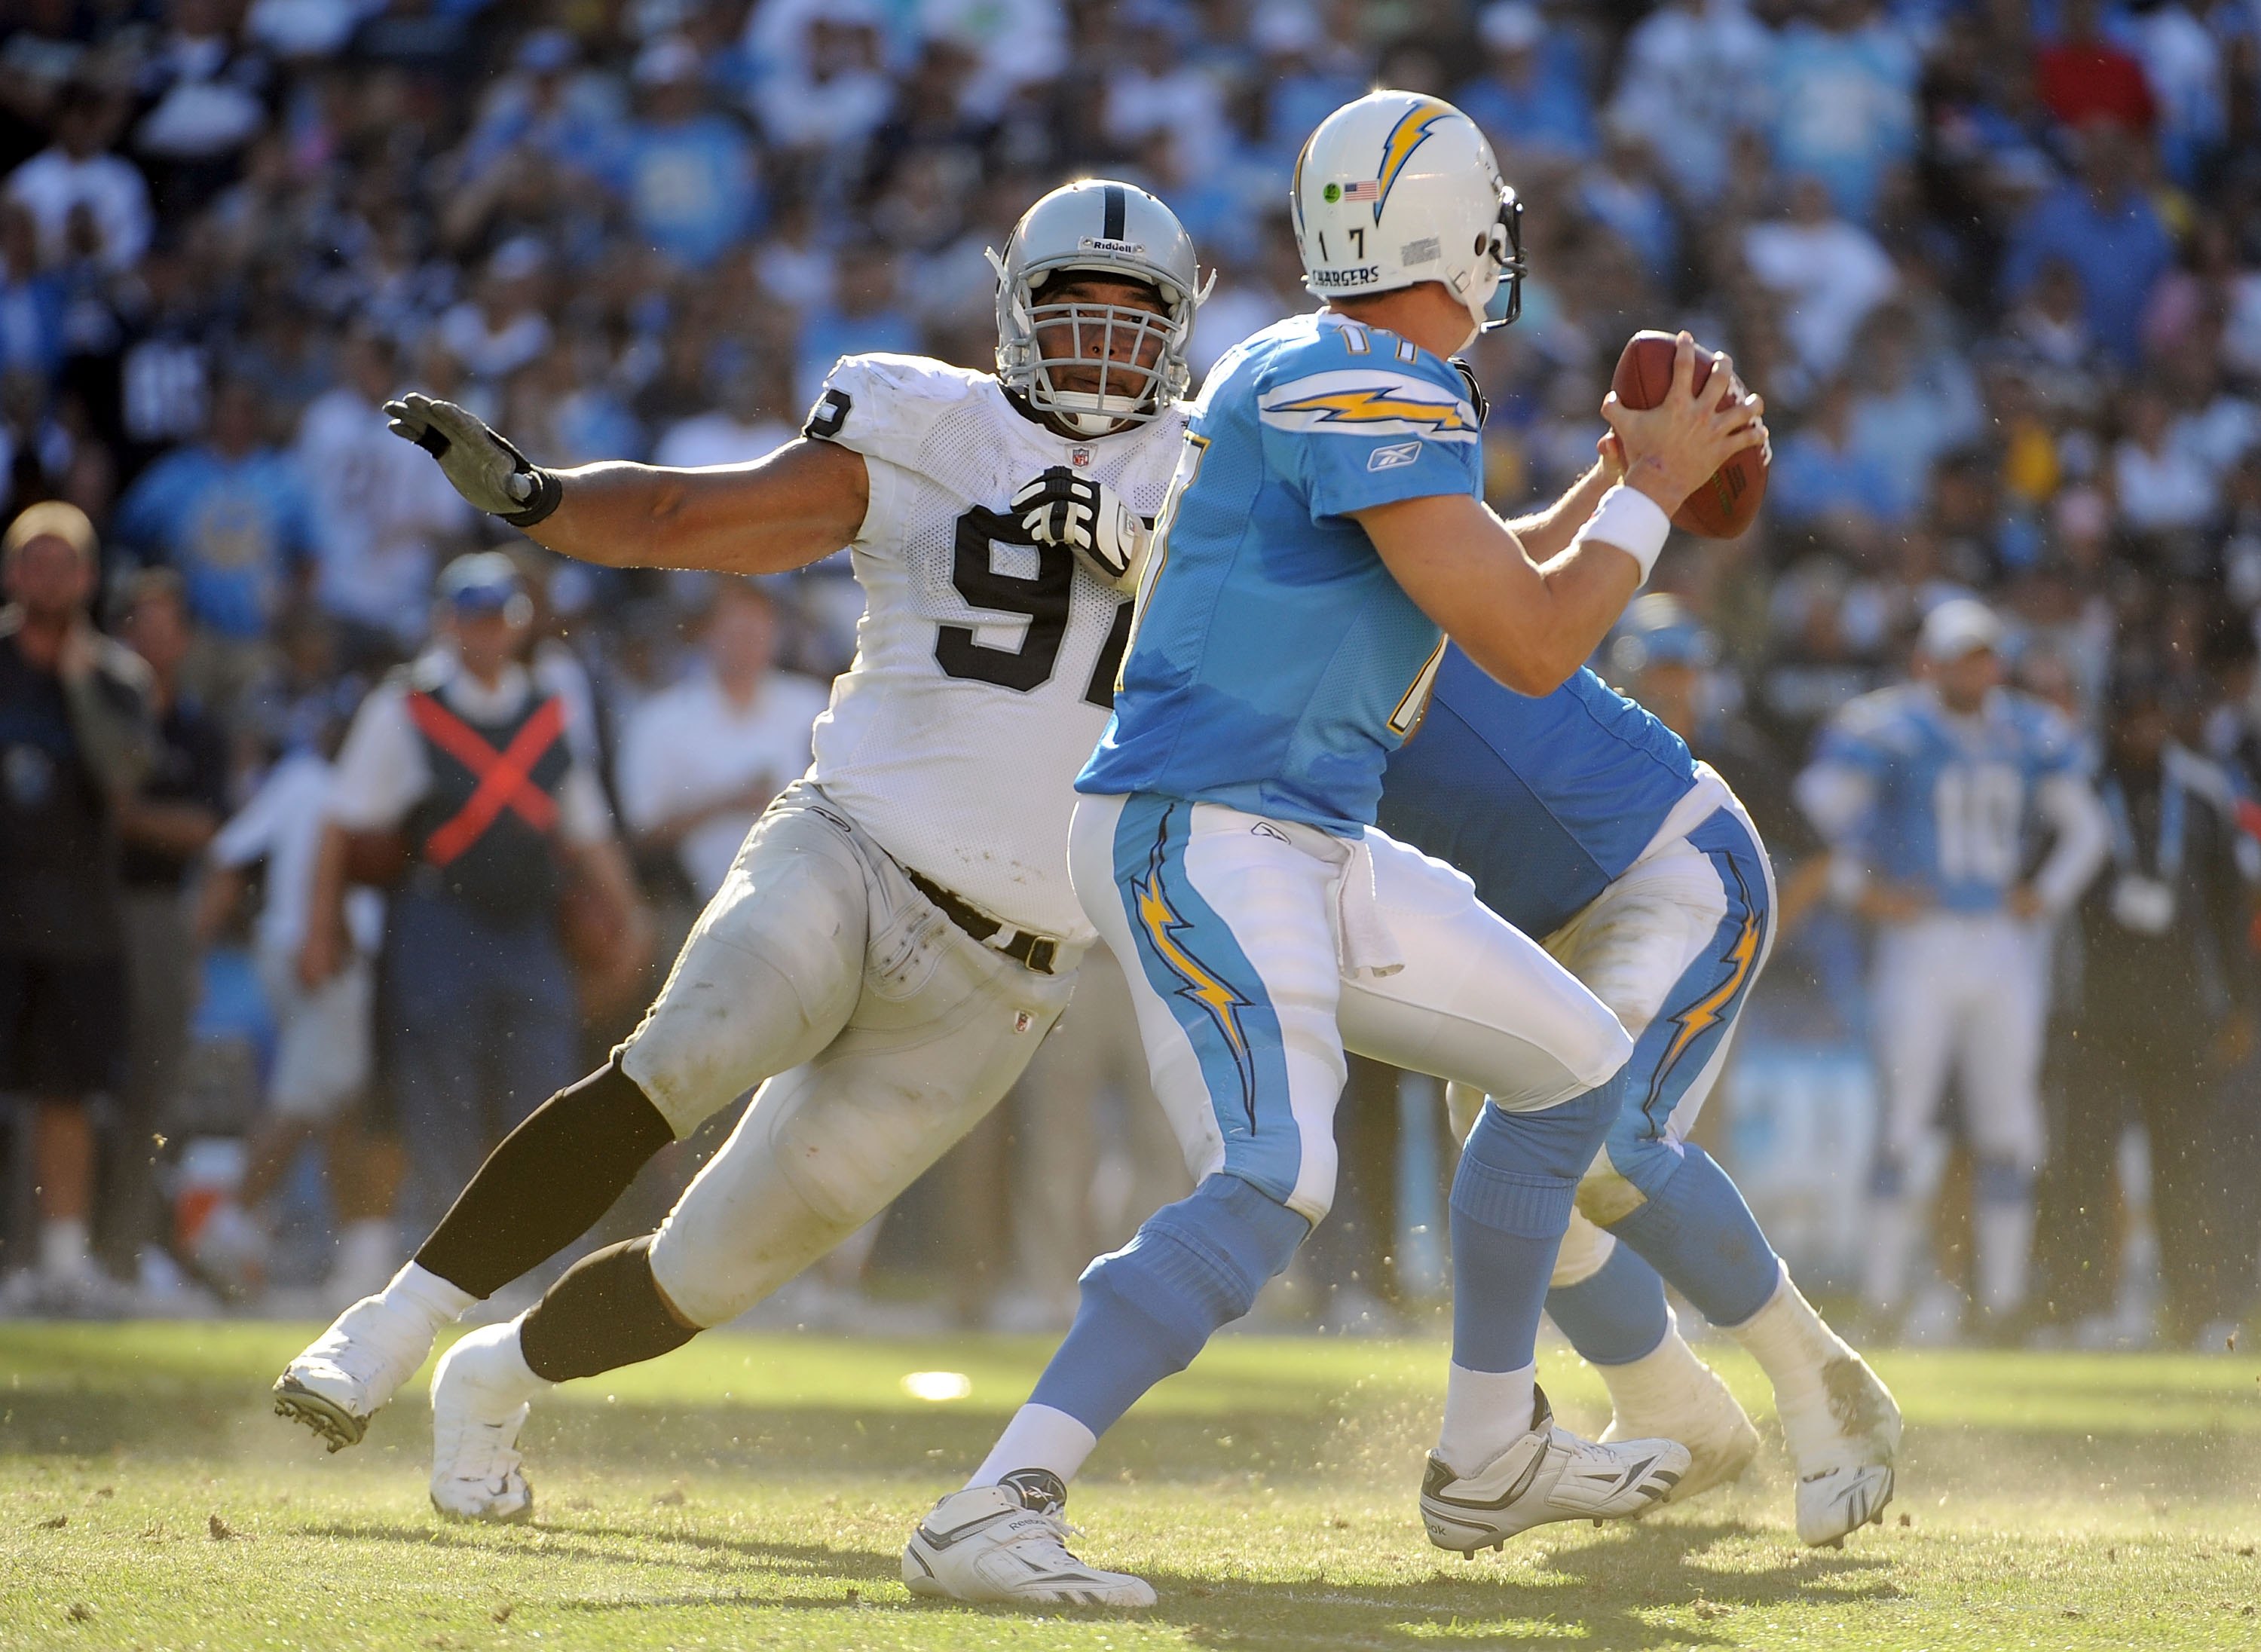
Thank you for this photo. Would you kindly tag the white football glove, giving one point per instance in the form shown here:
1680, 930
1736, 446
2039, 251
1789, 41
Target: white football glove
485, 466
1088, 517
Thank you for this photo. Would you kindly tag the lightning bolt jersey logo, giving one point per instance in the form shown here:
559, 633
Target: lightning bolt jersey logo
1199, 984
1412, 128
1707, 1012
1369, 402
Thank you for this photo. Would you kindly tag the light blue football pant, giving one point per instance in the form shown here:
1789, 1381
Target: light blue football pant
1259, 951
1673, 946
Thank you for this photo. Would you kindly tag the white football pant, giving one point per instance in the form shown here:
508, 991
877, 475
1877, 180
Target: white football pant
883, 1030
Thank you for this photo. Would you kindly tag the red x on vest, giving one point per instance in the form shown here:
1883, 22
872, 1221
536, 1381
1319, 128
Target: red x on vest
502, 774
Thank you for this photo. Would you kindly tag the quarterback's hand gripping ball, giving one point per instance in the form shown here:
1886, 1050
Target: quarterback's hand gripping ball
1088, 518
485, 466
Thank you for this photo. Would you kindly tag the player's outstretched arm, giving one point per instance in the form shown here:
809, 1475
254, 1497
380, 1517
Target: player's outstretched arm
1530, 623
802, 502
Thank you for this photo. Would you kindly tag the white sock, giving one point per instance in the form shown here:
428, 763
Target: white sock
1647, 1392
2004, 1229
497, 1364
1485, 1413
1038, 1437
1789, 1341
62, 1248
418, 1290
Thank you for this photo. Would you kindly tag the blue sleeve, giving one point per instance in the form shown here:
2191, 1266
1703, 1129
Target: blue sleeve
139, 526
1852, 749
1359, 432
2055, 749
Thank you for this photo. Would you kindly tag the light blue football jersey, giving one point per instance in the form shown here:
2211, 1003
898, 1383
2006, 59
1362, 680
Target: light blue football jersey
1949, 800
1544, 801
1275, 663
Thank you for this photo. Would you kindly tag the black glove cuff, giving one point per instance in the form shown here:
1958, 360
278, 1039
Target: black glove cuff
548, 492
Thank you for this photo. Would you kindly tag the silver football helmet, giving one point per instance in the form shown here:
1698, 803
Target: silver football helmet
1097, 227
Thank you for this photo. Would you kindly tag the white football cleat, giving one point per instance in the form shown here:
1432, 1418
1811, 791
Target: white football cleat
480, 1399
1007, 1544
1844, 1439
346, 1376
1549, 1473
1672, 1395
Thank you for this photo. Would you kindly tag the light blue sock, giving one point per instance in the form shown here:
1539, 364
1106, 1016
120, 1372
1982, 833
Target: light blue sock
1697, 1232
1616, 1314
1148, 1308
1510, 1203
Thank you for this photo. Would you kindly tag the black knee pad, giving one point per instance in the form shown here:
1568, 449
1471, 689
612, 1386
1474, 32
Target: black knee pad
605, 1312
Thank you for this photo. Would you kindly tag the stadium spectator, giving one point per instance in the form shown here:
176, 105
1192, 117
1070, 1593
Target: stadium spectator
322, 1064
163, 824
1905, 423
2105, 230
75, 738
2084, 76
1530, 101
476, 1020
2164, 1005
386, 514
685, 170
1842, 84
753, 417
2161, 486
702, 759
204, 99
88, 202
1829, 272
864, 312
1822, 478
231, 517
505, 327
31, 300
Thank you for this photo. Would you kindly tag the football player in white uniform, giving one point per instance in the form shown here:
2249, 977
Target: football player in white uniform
898, 933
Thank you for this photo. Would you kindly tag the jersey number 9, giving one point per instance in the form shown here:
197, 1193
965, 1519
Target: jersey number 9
1043, 596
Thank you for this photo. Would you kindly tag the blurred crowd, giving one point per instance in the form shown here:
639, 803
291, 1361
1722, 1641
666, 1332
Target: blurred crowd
1995, 264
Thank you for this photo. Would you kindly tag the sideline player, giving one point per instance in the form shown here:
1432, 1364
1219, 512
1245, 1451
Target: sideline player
1929, 793
1584, 820
1326, 519
898, 932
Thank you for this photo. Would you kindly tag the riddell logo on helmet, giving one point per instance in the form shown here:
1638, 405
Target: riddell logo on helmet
1364, 275
1101, 244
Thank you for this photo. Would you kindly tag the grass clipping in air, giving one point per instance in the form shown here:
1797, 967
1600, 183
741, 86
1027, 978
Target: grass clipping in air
754, 1492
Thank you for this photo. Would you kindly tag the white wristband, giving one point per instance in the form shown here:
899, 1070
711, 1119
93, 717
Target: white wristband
1631, 520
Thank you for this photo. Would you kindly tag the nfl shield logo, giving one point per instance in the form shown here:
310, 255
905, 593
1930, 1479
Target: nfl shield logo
1079, 457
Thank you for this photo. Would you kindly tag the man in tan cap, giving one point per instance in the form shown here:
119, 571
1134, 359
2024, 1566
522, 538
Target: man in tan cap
74, 739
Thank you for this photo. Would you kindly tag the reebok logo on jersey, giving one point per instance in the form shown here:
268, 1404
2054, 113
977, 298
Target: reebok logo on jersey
1396, 457
1369, 402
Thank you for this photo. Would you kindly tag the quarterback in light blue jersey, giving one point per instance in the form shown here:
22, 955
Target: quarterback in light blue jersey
1932, 796
1276, 660
1324, 527
1586, 822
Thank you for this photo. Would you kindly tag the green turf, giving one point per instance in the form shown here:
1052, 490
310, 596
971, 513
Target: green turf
754, 1492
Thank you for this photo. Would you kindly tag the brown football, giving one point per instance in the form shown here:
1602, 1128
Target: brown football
1723, 507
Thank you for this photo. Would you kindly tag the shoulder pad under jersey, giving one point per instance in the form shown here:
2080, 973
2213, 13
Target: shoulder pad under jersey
883, 405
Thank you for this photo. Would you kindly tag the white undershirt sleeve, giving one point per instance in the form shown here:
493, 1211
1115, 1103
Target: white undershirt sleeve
2082, 836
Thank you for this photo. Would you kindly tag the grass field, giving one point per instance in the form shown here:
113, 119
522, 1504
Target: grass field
754, 1492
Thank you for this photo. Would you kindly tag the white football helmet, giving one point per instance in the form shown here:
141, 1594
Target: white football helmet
1097, 227
1397, 188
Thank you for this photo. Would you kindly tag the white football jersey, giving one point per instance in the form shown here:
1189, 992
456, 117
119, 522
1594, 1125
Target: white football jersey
985, 664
